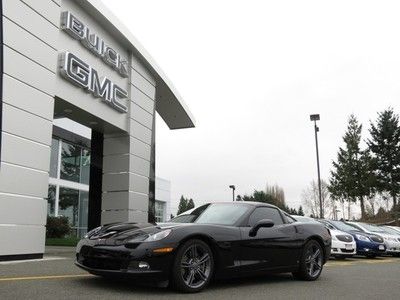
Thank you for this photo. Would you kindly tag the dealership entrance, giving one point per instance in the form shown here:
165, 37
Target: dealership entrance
77, 169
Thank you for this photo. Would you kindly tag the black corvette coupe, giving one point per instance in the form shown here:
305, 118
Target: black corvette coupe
222, 240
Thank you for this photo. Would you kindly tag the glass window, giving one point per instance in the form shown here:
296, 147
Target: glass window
343, 226
70, 162
83, 212
261, 213
224, 214
85, 166
68, 205
183, 219
51, 200
54, 158
159, 211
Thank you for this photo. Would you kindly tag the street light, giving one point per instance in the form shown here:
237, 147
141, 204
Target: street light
315, 118
233, 191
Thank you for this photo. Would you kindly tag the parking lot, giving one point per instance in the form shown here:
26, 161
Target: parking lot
56, 277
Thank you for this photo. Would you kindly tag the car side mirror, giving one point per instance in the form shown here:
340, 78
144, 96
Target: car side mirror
262, 223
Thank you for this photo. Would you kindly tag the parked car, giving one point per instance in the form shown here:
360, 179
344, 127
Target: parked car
226, 240
391, 241
369, 245
343, 244
390, 230
396, 228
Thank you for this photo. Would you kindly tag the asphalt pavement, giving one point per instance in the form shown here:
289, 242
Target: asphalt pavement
56, 277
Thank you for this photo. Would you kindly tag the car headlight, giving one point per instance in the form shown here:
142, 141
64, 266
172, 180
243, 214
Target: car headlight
362, 238
158, 236
92, 232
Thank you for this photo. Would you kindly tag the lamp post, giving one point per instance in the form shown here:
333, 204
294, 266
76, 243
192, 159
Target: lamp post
315, 118
233, 191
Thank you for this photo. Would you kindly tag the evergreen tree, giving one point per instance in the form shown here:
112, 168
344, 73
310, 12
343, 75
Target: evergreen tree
350, 177
384, 145
183, 203
300, 211
190, 204
273, 195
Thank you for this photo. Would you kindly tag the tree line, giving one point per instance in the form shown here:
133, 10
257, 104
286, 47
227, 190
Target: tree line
273, 195
365, 170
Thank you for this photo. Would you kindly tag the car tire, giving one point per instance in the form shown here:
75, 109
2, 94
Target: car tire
311, 262
193, 266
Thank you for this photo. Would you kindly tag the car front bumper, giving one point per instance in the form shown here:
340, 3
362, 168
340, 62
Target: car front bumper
392, 247
370, 248
340, 248
122, 262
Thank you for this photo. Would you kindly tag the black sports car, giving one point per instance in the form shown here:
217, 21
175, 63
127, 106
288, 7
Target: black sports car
224, 240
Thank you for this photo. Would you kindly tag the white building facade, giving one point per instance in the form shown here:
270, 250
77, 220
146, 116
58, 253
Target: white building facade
72, 59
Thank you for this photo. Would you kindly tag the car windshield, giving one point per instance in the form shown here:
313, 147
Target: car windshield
183, 219
304, 219
223, 214
372, 228
189, 216
343, 226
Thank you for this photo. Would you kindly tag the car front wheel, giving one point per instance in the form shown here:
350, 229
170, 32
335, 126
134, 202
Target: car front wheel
311, 262
193, 266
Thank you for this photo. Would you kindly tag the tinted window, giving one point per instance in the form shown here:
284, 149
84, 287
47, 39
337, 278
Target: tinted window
265, 213
224, 214
183, 219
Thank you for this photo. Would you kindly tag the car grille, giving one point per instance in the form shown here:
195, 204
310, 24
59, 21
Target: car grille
345, 238
377, 239
102, 259
347, 250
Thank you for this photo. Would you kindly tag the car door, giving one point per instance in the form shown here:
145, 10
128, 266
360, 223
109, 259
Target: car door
272, 247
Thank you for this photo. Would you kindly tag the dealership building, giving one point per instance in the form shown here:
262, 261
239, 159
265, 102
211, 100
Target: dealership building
79, 96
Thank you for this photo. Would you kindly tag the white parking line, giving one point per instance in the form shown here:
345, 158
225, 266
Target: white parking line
48, 258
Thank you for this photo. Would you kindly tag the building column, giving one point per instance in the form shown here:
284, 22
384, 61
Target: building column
30, 56
127, 157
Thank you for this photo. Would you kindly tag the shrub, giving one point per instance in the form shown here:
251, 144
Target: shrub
57, 227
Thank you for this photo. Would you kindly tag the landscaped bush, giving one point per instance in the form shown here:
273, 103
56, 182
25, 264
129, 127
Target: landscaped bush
57, 227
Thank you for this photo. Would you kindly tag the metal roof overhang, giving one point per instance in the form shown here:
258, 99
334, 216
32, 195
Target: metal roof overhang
169, 104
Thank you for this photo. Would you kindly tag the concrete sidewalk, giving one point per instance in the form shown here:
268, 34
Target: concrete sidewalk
59, 251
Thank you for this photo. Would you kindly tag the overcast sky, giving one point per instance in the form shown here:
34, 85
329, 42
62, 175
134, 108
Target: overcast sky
251, 72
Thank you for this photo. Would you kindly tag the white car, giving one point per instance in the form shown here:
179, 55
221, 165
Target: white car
343, 244
395, 228
391, 230
391, 241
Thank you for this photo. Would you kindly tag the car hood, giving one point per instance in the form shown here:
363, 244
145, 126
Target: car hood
338, 232
357, 232
119, 233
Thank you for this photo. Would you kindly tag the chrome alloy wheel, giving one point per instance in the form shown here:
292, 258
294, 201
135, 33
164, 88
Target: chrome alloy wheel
314, 261
195, 266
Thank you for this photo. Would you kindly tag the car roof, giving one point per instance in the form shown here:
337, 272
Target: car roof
251, 203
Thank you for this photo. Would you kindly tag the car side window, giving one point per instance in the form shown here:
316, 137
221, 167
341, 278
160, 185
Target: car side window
265, 213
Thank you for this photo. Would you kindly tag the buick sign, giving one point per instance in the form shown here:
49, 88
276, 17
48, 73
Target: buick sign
78, 30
